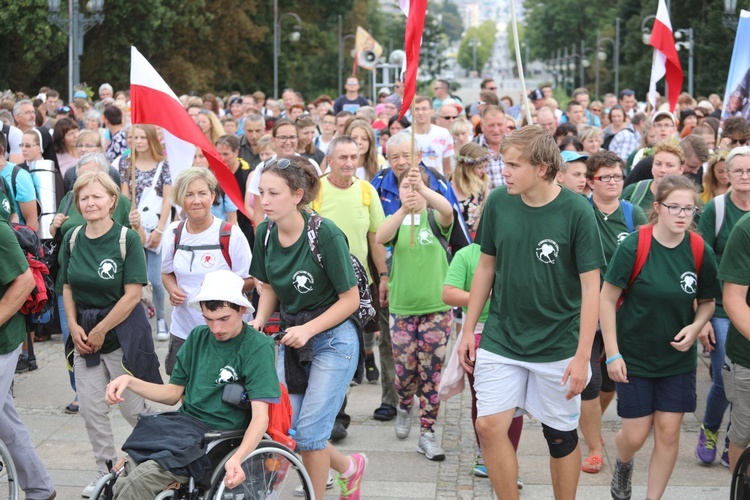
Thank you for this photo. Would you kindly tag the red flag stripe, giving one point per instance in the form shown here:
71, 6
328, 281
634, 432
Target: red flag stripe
155, 107
662, 39
412, 44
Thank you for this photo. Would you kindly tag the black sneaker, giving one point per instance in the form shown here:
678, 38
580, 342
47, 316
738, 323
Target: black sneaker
371, 371
22, 365
621, 487
338, 432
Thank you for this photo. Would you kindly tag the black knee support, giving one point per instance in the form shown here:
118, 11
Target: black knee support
561, 443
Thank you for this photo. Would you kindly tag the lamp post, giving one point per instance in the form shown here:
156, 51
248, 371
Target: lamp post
687, 45
342, 41
601, 56
277, 19
730, 11
474, 44
76, 24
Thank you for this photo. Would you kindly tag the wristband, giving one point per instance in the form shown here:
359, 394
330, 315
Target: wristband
384, 275
157, 230
613, 358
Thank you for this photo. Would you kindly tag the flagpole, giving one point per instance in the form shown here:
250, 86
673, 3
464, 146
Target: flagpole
413, 164
519, 61
132, 167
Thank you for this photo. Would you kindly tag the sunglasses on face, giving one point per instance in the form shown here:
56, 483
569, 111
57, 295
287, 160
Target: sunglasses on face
741, 142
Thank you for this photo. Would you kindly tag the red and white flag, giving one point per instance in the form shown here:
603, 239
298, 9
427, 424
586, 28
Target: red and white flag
665, 61
153, 102
415, 11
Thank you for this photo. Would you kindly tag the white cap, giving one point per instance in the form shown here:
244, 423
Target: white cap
223, 286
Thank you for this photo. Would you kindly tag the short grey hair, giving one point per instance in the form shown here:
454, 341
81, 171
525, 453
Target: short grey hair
397, 140
255, 118
740, 151
19, 104
106, 86
93, 114
337, 141
100, 159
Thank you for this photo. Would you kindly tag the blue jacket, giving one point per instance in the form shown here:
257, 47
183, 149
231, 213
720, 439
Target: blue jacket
386, 184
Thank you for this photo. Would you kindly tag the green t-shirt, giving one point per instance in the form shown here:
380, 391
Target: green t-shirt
647, 203
613, 229
417, 273
735, 268
659, 304
294, 274
461, 272
7, 207
346, 209
540, 254
205, 364
120, 216
707, 229
14, 264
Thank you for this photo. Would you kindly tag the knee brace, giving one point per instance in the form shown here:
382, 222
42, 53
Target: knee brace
561, 443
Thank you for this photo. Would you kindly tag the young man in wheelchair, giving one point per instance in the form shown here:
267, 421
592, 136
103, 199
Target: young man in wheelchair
225, 351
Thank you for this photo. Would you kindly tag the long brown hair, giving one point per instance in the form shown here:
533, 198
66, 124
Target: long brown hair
710, 182
464, 177
371, 156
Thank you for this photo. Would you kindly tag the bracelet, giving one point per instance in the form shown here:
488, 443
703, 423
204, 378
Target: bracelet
157, 230
613, 358
384, 275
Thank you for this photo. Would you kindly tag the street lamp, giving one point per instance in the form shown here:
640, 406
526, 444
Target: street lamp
730, 10
601, 56
277, 19
474, 44
687, 45
76, 24
342, 40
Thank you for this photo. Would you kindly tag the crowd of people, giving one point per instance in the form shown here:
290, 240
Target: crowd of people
542, 245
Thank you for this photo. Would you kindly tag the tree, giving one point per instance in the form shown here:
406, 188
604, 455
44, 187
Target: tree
484, 37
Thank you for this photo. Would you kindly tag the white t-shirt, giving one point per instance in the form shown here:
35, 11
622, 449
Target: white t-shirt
190, 267
435, 145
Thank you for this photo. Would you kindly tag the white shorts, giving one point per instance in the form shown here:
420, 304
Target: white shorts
503, 383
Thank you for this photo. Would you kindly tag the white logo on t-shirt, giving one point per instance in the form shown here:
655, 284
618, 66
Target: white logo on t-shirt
6, 205
227, 375
303, 281
689, 282
208, 260
425, 236
546, 251
107, 269
621, 237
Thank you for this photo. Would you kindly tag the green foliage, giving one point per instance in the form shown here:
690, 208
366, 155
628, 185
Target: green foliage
485, 35
449, 17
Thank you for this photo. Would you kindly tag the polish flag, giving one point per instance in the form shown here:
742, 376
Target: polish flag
153, 102
665, 61
415, 11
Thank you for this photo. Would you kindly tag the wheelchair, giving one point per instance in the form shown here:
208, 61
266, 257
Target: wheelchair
272, 472
740, 489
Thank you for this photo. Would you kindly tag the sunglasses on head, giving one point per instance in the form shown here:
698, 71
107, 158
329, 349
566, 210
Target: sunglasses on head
280, 163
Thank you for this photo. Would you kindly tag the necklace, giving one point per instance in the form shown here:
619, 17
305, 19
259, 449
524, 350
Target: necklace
605, 215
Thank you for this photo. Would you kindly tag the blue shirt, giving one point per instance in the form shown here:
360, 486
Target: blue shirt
23, 190
225, 206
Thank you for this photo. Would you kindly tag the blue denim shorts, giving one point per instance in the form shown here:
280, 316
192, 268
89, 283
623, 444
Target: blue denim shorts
642, 396
335, 358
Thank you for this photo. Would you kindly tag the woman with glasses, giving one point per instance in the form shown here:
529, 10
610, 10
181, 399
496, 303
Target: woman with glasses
316, 305
716, 223
88, 141
153, 186
65, 136
651, 351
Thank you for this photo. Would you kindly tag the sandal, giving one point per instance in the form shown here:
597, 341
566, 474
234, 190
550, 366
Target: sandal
592, 464
42, 337
72, 408
385, 413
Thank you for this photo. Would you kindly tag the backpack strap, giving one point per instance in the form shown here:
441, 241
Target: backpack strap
13, 177
313, 227
177, 236
68, 202
123, 243
720, 208
224, 234
438, 234
645, 234
641, 188
73, 237
364, 187
627, 212
697, 245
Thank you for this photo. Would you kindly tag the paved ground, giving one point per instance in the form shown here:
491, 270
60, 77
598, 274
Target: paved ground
396, 470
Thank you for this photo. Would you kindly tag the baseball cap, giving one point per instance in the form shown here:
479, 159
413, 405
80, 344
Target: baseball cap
663, 113
569, 156
536, 95
80, 94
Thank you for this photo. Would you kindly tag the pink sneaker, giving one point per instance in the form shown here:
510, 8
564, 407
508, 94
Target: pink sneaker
351, 486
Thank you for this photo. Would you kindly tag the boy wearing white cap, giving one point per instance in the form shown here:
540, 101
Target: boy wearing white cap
224, 351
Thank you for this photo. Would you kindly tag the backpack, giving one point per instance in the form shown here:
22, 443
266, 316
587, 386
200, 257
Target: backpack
627, 212
720, 206
641, 188
123, 240
435, 231
280, 420
697, 245
224, 233
366, 312
608, 139
364, 188
41, 299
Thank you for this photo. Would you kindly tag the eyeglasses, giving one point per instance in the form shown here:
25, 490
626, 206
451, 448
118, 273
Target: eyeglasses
741, 142
607, 178
663, 125
491, 88
449, 117
86, 146
677, 210
28, 146
596, 110
285, 138
281, 164
739, 173
352, 83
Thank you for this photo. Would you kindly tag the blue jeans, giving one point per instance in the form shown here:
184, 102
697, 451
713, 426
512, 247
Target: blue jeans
153, 268
335, 358
716, 401
65, 334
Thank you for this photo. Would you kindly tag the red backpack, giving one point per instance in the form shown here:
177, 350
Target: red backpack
40, 300
224, 233
280, 420
645, 234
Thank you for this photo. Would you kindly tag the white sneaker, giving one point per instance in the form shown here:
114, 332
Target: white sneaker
403, 423
429, 448
161, 330
88, 490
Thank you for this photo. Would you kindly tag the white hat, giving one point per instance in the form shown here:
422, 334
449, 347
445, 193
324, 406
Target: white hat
224, 286
456, 104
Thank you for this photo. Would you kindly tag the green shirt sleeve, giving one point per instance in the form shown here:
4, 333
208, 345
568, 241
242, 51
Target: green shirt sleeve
708, 285
707, 224
621, 265
377, 216
487, 224
258, 262
735, 265
627, 192
639, 216
336, 260
135, 260
14, 262
458, 272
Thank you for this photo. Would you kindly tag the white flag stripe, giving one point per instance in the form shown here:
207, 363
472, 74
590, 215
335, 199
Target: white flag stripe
142, 73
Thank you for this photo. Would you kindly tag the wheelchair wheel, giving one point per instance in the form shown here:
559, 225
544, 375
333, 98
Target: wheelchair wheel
9, 487
103, 488
272, 471
741, 478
